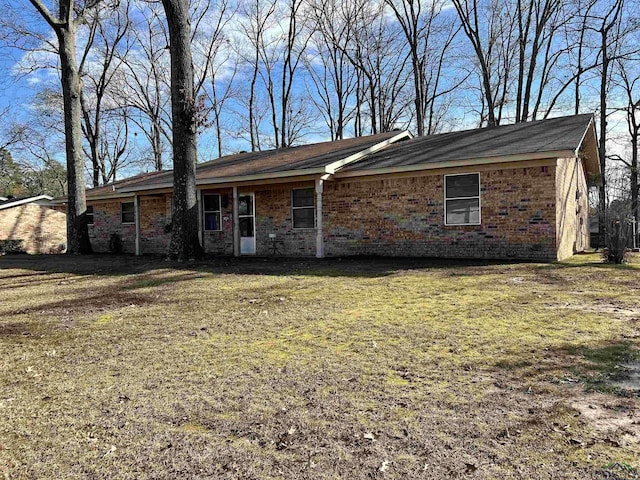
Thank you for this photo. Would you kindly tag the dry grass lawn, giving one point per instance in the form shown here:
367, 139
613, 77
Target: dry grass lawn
137, 368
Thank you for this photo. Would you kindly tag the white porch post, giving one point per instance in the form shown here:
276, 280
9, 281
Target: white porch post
200, 219
319, 235
236, 224
136, 211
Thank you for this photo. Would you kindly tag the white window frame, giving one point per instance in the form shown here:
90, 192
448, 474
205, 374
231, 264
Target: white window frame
205, 211
479, 197
312, 207
122, 204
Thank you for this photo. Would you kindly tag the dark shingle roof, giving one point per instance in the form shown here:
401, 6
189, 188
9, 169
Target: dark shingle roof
564, 133
304, 157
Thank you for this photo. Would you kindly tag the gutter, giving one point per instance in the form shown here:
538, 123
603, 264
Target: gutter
26, 200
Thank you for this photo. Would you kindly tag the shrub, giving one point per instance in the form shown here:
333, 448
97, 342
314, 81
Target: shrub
11, 246
617, 234
115, 243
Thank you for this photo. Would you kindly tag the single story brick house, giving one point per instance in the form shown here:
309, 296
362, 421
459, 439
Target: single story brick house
515, 191
35, 223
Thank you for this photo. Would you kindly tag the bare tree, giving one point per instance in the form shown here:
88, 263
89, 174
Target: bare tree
184, 235
64, 25
145, 81
99, 64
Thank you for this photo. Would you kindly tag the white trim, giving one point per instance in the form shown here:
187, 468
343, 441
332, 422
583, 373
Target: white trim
136, 216
479, 197
26, 200
236, 224
312, 207
335, 166
205, 211
134, 212
319, 234
3, 199
252, 215
552, 155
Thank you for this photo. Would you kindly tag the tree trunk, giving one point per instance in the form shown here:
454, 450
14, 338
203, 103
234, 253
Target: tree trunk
184, 235
77, 231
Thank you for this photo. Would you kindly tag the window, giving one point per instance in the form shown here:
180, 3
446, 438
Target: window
127, 212
89, 215
462, 199
302, 207
212, 212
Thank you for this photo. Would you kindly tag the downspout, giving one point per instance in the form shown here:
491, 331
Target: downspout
236, 224
136, 210
319, 233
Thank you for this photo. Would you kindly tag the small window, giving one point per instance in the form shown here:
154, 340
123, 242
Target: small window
302, 207
127, 212
212, 212
89, 215
462, 199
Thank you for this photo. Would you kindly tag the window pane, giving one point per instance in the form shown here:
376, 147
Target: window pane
89, 215
460, 212
303, 218
463, 185
303, 197
212, 203
128, 213
212, 221
245, 205
246, 227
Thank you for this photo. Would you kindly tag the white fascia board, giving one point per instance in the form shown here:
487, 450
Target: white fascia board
26, 200
335, 166
458, 163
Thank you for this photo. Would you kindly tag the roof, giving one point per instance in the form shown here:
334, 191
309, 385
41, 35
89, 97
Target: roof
14, 202
538, 137
387, 152
292, 161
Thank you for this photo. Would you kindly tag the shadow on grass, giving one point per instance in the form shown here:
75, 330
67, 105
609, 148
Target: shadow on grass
599, 367
118, 265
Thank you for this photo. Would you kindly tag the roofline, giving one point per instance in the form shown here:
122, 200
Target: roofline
459, 163
331, 168
335, 166
26, 200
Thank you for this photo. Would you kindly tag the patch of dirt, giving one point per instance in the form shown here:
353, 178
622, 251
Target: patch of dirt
615, 420
615, 310
630, 382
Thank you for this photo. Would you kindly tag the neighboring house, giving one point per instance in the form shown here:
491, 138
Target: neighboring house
38, 224
516, 191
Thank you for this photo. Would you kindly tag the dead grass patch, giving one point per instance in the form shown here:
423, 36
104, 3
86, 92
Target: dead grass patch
358, 369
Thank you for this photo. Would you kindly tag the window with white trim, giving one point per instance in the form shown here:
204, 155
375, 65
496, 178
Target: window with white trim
303, 211
212, 212
462, 199
127, 212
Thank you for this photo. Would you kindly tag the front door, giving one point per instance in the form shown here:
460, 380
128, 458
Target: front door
247, 219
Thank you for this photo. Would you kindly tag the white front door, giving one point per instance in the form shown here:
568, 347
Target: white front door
247, 220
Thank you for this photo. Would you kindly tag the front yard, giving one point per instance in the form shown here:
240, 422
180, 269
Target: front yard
137, 368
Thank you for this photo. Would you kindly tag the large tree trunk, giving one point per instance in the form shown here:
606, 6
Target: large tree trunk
77, 231
184, 235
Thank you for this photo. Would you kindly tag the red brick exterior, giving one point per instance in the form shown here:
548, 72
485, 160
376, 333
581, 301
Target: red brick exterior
42, 229
523, 215
404, 216
107, 221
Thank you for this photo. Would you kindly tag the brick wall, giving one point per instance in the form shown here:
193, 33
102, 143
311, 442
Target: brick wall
220, 242
404, 215
572, 217
273, 215
42, 229
155, 216
106, 221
